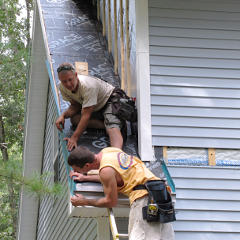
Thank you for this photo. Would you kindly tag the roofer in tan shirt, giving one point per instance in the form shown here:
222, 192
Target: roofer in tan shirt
89, 97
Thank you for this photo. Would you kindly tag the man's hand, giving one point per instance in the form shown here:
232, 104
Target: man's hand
109, 182
82, 125
60, 123
78, 200
77, 176
71, 142
81, 177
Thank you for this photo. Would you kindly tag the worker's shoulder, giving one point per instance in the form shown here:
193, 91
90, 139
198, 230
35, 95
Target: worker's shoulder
87, 78
111, 150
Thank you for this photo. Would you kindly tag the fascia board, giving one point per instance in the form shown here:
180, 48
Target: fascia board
36, 105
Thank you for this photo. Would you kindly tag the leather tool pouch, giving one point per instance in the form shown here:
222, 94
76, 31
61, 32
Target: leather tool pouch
123, 106
160, 207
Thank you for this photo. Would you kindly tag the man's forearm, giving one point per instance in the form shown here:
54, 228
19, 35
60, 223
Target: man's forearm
109, 182
91, 178
101, 202
82, 125
71, 111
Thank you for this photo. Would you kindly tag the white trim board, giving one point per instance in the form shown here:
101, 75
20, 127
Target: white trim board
142, 72
34, 130
93, 212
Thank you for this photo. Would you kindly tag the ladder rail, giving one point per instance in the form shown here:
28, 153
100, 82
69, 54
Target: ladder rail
113, 226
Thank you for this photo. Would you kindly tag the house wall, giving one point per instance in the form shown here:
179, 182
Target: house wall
207, 204
53, 220
194, 48
194, 65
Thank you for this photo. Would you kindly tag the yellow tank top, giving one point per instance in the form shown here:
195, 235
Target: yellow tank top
131, 169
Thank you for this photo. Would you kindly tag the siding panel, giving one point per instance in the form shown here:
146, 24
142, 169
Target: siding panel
194, 62
207, 203
195, 102
198, 14
194, 23
207, 236
195, 82
194, 67
195, 92
201, 142
202, 5
53, 222
195, 71
194, 112
193, 52
195, 122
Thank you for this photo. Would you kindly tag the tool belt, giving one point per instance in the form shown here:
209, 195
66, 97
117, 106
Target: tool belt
123, 106
160, 207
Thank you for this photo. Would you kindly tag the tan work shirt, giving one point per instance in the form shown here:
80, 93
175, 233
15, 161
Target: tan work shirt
91, 91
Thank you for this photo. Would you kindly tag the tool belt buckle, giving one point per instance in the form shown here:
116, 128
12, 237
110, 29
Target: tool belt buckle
152, 209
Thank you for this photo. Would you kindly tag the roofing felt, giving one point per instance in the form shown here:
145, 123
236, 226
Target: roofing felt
74, 35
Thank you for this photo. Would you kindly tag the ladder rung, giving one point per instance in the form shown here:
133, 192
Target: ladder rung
123, 235
113, 226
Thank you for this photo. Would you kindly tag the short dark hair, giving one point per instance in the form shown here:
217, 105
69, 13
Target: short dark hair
65, 67
80, 156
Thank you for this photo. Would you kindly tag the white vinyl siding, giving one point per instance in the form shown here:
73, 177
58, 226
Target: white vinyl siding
207, 204
53, 221
195, 69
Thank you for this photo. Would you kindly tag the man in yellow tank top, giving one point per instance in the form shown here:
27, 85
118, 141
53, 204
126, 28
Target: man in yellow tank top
119, 172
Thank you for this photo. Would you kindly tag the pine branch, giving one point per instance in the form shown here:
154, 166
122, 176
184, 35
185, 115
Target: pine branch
36, 185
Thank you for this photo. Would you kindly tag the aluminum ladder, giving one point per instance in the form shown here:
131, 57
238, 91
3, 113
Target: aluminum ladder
113, 226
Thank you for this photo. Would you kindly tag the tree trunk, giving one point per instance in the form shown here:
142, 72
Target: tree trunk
3, 144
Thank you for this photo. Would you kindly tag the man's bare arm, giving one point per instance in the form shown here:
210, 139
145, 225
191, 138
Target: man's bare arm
108, 179
84, 178
71, 111
82, 125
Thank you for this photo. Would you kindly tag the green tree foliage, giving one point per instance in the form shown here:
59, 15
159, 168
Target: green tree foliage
14, 48
11, 181
14, 56
13, 69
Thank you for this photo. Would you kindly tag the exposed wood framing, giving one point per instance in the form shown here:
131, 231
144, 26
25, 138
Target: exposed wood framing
122, 47
81, 68
109, 28
165, 156
98, 10
104, 18
211, 157
115, 39
127, 47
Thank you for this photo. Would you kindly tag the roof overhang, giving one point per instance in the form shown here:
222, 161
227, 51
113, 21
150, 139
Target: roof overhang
93, 190
93, 212
36, 103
